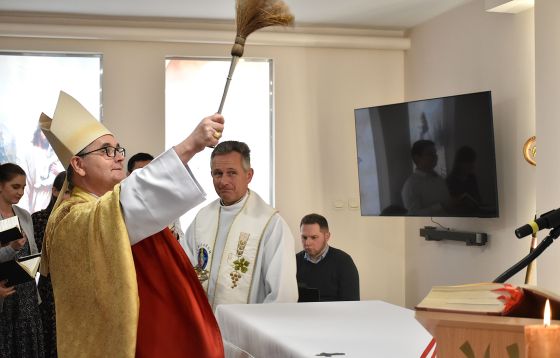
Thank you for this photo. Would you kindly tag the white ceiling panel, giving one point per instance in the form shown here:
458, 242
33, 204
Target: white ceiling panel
399, 14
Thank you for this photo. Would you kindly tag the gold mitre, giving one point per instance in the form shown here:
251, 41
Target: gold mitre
71, 129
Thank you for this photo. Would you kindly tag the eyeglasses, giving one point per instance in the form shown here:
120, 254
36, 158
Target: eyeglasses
111, 152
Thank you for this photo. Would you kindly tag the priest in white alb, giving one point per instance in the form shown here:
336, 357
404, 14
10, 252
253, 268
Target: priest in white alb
242, 249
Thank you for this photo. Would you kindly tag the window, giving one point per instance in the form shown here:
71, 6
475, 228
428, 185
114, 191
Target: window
193, 90
30, 85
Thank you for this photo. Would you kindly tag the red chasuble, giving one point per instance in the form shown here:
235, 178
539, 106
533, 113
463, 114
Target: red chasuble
175, 318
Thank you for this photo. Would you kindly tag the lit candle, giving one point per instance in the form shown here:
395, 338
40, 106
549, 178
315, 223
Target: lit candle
542, 341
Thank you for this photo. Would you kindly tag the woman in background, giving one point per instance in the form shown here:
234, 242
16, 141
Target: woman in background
48, 317
21, 333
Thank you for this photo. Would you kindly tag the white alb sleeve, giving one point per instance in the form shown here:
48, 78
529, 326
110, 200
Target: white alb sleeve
153, 196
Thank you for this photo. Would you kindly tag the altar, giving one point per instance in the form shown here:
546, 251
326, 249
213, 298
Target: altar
321, 329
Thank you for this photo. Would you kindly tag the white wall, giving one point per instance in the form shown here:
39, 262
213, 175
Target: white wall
468, 50
547, 58
316, 91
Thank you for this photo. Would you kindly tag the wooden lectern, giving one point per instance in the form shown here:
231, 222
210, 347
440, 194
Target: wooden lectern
501, 336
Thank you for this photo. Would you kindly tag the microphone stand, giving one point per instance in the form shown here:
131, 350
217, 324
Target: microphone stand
552, 235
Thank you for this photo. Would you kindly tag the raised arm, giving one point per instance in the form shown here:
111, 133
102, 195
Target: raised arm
157, 194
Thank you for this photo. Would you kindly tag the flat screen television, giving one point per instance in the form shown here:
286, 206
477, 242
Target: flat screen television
432, 157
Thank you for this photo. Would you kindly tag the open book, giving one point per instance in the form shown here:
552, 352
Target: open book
492, 299
9, 230
21, 270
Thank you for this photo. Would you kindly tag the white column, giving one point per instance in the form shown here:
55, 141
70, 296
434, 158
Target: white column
547, 103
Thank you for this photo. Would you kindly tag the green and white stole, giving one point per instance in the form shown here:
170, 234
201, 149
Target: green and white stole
237, 264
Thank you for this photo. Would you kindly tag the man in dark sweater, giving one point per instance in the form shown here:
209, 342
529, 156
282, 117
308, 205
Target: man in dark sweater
321, 267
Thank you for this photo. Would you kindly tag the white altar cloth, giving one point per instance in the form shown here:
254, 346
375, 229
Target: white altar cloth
358, 329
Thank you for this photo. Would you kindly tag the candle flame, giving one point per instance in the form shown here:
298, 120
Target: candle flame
546, 319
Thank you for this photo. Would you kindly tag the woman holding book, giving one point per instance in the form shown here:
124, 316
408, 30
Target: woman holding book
21, 333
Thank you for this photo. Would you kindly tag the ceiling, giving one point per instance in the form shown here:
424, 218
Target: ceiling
394, 14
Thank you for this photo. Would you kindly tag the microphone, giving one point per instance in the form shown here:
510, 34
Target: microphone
548, 220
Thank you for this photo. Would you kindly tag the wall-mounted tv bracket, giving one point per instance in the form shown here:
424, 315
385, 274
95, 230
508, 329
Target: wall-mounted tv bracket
432, 233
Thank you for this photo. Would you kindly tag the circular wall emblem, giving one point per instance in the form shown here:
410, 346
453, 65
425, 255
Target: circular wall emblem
530, 150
